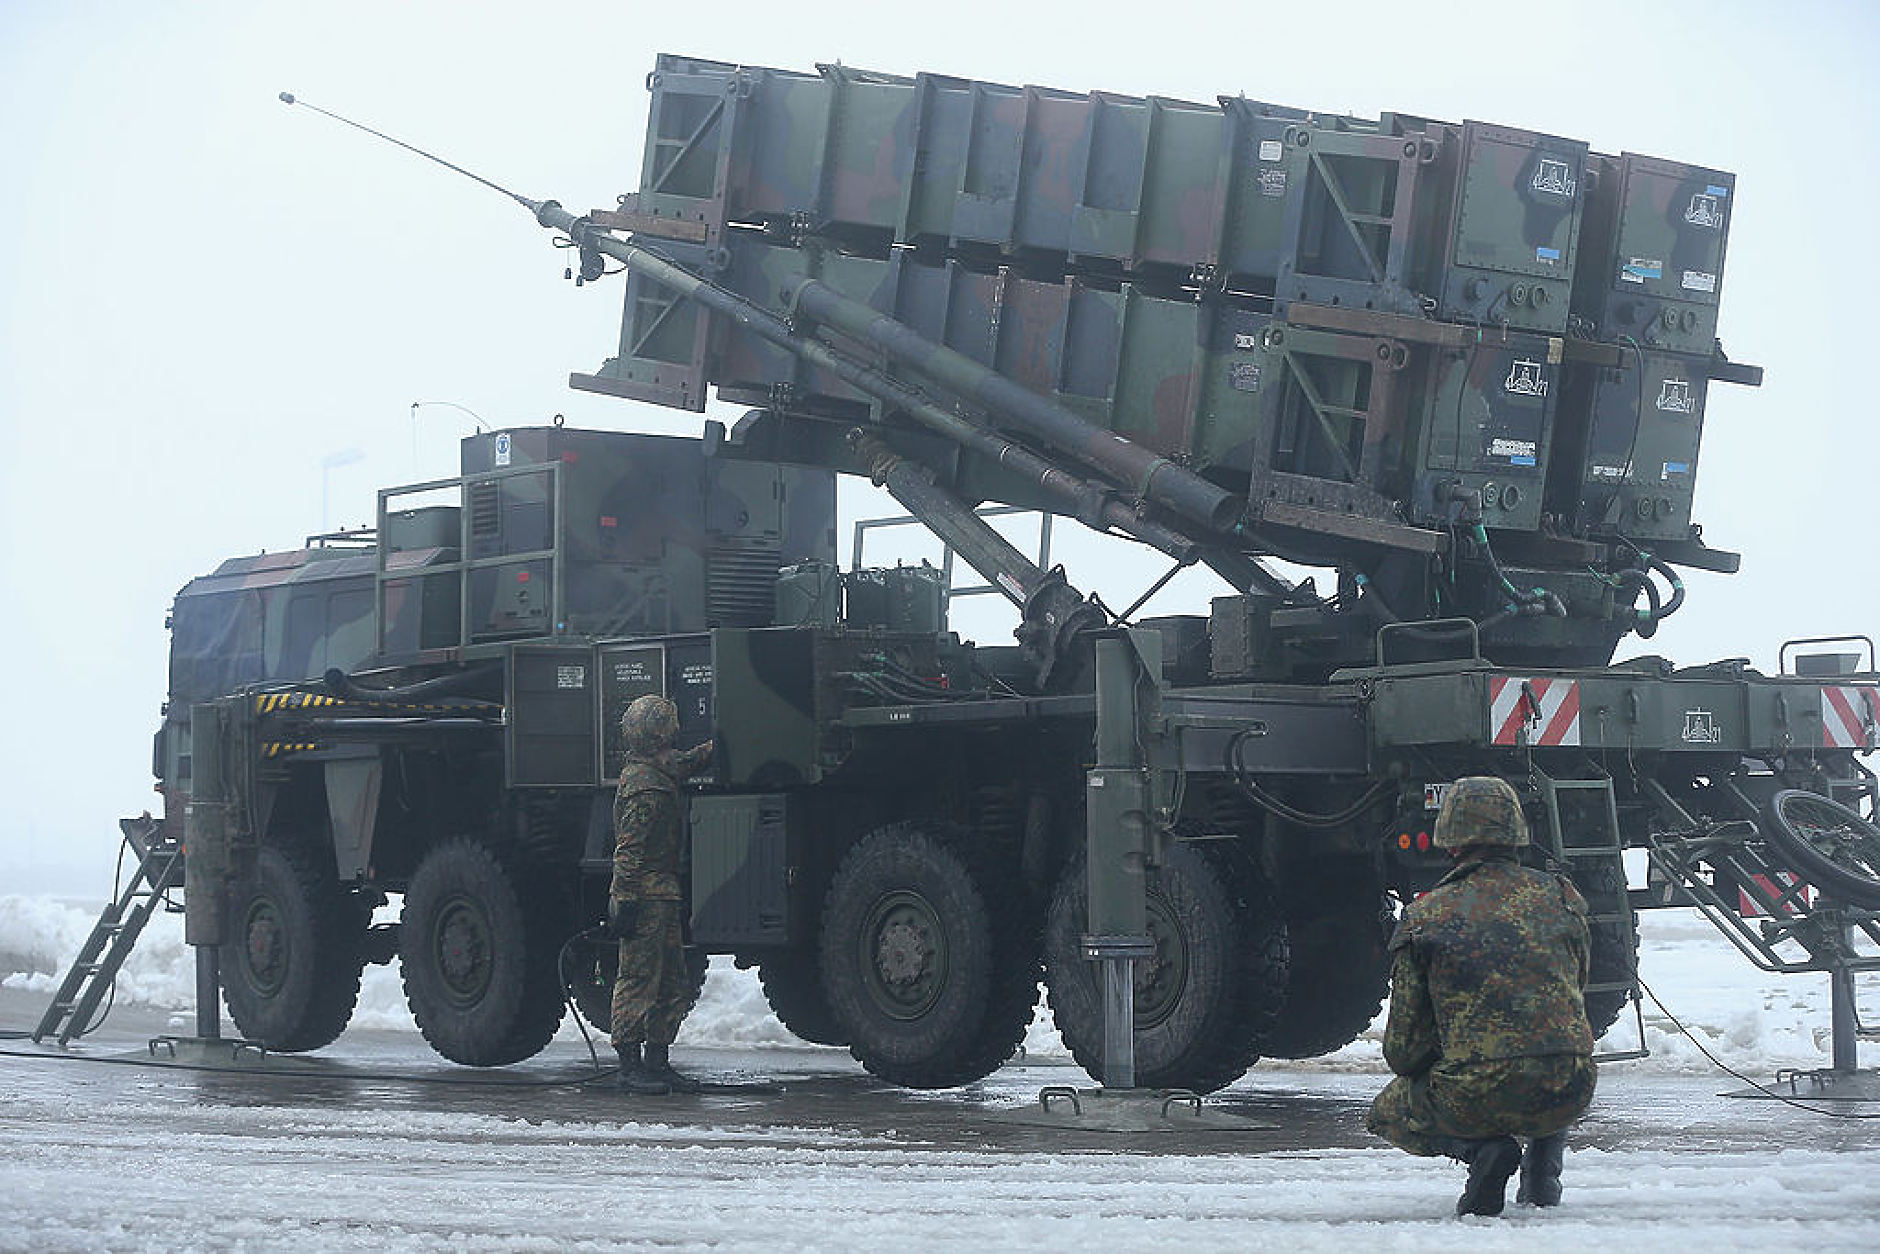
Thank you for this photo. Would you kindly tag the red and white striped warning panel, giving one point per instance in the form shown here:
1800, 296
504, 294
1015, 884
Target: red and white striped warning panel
1549, 710
1848, 717
1789, 894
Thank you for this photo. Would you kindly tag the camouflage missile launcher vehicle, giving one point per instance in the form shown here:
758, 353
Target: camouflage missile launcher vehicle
1462, 368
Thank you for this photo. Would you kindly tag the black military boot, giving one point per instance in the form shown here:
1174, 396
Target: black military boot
1540, 1170
659, 1066
1491, 1162
635, 1076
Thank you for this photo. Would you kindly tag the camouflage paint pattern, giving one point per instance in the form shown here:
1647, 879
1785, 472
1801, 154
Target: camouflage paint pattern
1509, 1097
1178, 377
1121, 257
1652, 268
1108, 179
1480, 810
652, 535
1515, 202
1487, 1029
290, 616
651, 990
648, 727
1485, 419
649, 845
1637, 473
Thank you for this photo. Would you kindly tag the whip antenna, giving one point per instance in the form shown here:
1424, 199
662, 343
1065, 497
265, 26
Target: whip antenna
288, 97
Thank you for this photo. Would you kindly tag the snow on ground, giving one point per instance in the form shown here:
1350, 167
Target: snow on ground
1756, 1022
227, 1173
334, 1179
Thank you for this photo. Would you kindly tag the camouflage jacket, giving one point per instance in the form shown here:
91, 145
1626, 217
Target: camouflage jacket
1491, 964
649, 844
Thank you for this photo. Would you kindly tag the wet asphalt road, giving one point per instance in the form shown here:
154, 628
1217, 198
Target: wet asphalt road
1273, 1108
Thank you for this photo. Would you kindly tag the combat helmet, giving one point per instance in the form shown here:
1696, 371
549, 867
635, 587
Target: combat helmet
1480, 810
649, 726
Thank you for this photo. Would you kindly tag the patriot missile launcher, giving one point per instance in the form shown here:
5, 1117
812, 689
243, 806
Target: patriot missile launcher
1460, 368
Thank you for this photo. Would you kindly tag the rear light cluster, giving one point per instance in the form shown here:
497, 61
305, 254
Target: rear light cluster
1420, 842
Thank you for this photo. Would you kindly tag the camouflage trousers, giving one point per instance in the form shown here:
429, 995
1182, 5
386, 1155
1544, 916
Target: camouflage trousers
1502, 1097
652, 992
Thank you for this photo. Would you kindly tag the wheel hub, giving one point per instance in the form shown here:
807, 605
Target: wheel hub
265, 946
1160, 978
904, 955
463, 951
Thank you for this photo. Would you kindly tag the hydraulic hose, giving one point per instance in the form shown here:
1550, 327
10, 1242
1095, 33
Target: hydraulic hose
341, 684
1548, 602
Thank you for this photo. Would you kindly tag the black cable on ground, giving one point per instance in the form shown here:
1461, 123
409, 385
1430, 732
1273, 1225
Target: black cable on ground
1735, 1074
568, 997
157, 1064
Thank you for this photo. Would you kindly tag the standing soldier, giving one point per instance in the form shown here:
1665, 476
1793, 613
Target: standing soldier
1487, 1031
651, 994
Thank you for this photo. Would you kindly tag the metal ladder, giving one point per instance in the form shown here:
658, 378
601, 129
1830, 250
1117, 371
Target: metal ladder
1583, 835
159, 869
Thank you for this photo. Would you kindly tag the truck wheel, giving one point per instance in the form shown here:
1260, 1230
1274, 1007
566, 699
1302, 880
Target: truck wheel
1338, 974
1614, 935
927, 966
291, 978
478, 948
1209, 997
793, 987
1828, 844
590, 965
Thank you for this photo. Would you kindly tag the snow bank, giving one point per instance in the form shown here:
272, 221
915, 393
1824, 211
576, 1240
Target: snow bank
1756, 1022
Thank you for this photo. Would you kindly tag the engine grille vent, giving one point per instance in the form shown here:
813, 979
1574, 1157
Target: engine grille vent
741, 584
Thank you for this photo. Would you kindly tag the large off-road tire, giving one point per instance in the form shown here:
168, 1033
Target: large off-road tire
590, 964
291, 973
1828, 845
478, 946
1207, 1001
1613, 933
1338, 975
793, 987
928, 965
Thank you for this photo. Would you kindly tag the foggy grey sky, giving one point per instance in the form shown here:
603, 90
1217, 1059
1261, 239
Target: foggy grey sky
205, 296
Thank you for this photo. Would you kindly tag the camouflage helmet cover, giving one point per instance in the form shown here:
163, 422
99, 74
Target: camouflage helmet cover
1480, 810
649, 725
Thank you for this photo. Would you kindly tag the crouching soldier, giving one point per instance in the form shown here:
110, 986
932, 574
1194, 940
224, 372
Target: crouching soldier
652, 992
1487, 1031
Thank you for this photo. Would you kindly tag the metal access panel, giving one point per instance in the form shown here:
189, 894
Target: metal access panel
1513, 226
1656, 232
744, 858
764, 694
548, 729
1638, 473
678, 667
1485, 422
627, 672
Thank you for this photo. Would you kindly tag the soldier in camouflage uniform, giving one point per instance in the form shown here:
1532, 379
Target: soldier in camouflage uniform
651, 994
1487, 1031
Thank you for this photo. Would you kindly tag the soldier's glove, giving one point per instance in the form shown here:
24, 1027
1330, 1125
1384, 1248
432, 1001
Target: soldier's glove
621, 916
